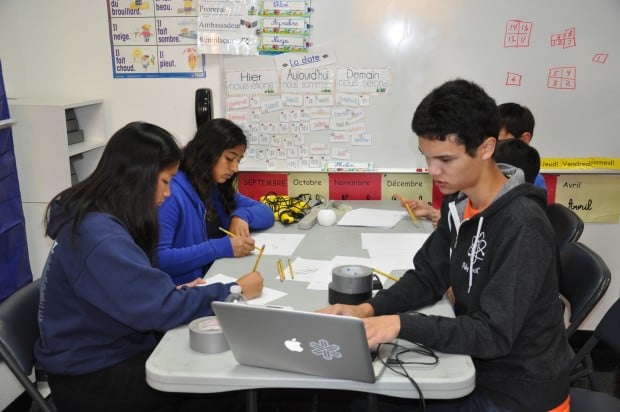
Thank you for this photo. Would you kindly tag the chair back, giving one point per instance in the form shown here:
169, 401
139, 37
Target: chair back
582, 366
583, 400
608, 329
567, 225
584, 279
19, 328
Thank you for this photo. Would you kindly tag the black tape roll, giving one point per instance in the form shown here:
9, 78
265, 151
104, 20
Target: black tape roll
352, 279
347, 298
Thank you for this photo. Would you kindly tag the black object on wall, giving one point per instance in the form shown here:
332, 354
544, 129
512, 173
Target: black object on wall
203, 106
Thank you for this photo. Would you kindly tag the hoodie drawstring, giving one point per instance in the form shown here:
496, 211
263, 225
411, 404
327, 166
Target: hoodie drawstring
472, 255
457, 223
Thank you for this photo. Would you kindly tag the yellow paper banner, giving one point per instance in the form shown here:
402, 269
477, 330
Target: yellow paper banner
308, 183
595, 198
410, 185
580, 163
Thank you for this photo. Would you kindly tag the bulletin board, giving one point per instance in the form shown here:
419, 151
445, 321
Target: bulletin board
558, 57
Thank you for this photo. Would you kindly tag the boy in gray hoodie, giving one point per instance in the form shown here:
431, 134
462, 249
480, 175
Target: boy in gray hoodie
495, 247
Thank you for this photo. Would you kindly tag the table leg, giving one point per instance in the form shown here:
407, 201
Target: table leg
315, 402
373, 405
251, 404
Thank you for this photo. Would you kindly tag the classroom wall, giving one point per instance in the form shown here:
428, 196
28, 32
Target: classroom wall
423, 43
62, 49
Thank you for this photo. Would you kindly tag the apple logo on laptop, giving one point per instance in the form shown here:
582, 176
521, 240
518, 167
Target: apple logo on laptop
293, 345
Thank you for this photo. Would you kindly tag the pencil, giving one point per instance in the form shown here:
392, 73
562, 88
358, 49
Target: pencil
280, 270
260, 255
415, 219
290, 268
231, 234
387, 275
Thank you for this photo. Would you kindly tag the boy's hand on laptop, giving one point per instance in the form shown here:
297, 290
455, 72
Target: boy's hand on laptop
381, 329
251, 284
359, 311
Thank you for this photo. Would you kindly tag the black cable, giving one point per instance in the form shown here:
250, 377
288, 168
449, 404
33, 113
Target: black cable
395, 360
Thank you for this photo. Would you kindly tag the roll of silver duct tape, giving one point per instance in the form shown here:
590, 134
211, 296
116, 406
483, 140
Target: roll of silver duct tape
206, 336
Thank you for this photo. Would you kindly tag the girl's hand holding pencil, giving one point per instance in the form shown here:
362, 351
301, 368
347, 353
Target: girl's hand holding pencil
241, 245
418, 209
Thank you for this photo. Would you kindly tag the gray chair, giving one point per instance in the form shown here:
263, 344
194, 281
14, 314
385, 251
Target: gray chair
584, 279
584, 400
567, 225
608, 332
19, 330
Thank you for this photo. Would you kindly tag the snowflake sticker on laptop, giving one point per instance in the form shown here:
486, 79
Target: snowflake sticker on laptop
325, 349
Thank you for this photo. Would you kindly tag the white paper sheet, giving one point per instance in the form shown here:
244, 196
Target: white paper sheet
371, 218
395, 250
306, 270
411, 241
389, 260
279, 244
267, 296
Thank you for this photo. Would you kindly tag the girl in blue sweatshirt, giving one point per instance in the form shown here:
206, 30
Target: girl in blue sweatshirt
204, 198
103, 303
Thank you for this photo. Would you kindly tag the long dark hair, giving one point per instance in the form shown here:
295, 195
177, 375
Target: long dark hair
124, 184
201, 154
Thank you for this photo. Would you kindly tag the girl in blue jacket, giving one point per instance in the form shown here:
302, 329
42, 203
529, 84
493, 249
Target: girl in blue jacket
204, 198
103, 304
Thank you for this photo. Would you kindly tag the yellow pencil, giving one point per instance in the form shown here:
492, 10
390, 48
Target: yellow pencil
231, 234
290, 268
415, 219
387, 275
260, 255
280, 270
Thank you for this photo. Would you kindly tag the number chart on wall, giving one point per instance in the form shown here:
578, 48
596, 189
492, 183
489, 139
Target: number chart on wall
350, 99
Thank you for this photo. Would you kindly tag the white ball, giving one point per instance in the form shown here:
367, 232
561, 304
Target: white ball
326, 217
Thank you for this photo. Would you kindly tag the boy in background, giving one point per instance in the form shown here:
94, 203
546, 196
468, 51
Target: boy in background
517, 122
519, 154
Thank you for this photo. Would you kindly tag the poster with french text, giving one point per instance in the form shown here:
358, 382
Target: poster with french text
154, 38
251, 27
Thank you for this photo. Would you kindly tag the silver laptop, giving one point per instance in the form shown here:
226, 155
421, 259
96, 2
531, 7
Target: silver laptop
306, 342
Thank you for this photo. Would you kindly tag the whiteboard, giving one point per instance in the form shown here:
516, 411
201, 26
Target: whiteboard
427, 42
